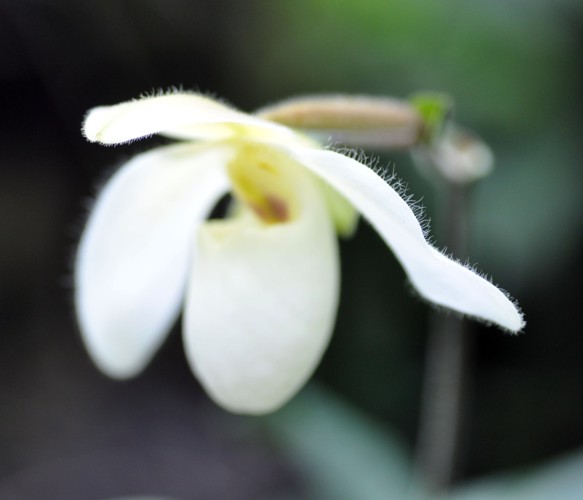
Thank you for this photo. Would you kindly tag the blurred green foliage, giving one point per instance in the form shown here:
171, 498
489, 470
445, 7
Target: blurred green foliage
513, 69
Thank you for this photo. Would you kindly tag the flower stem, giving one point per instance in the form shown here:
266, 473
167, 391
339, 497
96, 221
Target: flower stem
444, 393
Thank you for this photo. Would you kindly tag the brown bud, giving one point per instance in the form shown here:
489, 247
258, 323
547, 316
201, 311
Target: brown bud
352, 120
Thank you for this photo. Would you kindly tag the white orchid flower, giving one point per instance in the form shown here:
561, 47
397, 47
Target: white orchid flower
260, 288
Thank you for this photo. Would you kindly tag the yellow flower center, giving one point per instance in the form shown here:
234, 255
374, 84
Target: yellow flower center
262, 180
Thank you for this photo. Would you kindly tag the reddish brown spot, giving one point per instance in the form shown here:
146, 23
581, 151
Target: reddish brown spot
278, 208
271, 210
262, 212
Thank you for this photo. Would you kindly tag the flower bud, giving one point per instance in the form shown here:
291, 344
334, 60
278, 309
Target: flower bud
360, 121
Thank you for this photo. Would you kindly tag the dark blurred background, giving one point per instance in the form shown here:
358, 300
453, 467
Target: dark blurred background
514, 70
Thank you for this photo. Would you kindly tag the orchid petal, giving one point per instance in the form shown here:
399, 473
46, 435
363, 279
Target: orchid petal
131, 265
261, 303
437, 278
181, 116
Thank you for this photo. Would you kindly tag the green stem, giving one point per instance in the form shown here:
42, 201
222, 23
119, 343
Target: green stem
444, 396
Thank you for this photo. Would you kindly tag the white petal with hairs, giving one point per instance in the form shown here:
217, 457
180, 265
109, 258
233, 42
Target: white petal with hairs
260, 288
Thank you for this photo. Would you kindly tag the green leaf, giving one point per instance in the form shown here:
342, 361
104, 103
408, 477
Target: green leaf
561, 479
343, 454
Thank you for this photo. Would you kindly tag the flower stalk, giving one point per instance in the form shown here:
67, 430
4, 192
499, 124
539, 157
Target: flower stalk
445, 389
453, 159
